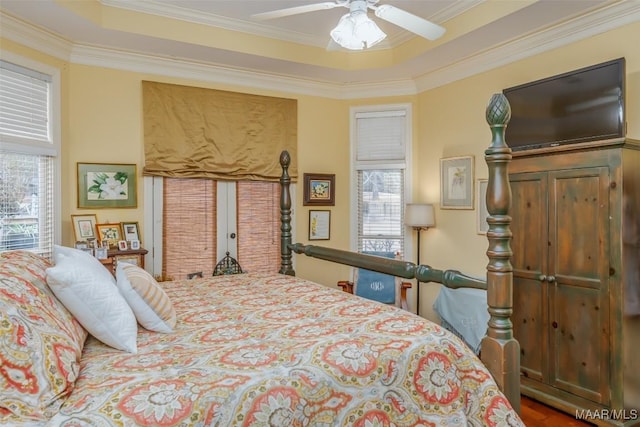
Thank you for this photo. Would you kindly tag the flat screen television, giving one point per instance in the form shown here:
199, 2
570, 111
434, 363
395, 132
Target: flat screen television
579, 106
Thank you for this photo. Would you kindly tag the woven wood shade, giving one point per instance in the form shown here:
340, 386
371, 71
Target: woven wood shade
189, 227
259, 226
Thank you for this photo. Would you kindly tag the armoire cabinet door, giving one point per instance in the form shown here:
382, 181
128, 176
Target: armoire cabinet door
577, 276
560, 252
529, 244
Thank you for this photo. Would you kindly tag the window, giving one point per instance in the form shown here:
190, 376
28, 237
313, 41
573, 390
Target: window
28, 156
381, 141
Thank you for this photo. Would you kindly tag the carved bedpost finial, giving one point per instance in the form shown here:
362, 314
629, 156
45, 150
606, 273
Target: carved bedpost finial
285, 160
500, 350
286, 265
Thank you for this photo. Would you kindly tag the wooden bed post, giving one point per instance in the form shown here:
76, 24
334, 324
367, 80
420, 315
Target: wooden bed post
286, 266
500, 350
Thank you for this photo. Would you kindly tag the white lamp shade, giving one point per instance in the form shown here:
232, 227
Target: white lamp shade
356, 31
419, 215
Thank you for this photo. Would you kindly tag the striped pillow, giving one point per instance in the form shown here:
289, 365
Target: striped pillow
150, 304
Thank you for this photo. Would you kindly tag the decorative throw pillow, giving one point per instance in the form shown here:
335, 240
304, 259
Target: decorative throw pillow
89, 292
147, 299
40, 341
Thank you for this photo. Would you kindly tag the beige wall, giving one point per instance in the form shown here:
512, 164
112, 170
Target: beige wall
102, 122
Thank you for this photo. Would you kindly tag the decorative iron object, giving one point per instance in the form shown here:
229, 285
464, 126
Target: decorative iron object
227, 265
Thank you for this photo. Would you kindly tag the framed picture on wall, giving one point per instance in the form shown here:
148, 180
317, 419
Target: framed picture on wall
103, 185
319, 189
319, 225
456, 183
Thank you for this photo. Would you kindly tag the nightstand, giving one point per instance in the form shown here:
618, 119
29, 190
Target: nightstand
131, 256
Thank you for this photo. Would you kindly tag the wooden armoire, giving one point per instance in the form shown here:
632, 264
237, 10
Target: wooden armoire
576, 261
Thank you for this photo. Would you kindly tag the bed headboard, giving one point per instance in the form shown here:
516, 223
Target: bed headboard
500, 350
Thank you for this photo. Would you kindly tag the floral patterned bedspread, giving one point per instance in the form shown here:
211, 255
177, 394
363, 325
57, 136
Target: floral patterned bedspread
274, 350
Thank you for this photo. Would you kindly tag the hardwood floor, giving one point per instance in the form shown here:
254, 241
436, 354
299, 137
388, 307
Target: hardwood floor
536, 414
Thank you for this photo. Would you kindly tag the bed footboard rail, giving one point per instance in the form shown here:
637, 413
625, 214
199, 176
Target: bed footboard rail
405, 269
379, 264
449, 278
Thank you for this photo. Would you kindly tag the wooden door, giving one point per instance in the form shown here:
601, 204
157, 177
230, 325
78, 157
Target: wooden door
577, 279
530, 294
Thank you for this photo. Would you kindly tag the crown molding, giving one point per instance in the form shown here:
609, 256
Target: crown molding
617, 15
207, 72
213, 20
34, 37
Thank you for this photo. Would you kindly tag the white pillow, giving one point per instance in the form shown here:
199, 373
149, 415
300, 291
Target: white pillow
149, 302
88, 291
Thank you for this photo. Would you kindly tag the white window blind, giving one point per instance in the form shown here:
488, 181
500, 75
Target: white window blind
381, 137
380, 163
27, 171
24, 103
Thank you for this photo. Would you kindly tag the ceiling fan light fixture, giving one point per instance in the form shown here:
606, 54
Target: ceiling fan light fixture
355, 31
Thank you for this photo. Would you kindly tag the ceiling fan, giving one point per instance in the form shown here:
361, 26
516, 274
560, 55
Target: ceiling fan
356, 30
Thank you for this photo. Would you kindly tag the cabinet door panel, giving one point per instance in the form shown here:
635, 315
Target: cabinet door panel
530, 326
579, 225
579, 340
529, 245
578, 280
529, 224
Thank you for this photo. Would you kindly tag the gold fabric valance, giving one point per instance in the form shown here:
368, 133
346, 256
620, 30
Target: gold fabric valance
191, 132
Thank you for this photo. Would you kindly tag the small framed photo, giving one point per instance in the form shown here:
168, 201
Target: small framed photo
102, 253
135, 245
81, 245
319, 225
122, 245
130, 230
456, 183
109, 232
102, 185
481, 203
319, 189
104, 244
84, 227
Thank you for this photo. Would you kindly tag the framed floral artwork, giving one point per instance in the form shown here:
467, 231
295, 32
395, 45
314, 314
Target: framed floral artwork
319, 189
319, 225
110, 233
456, 183
84, 227
103, 185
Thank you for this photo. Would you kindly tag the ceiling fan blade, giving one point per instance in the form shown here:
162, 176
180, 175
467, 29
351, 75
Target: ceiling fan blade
409, 21
297, 10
